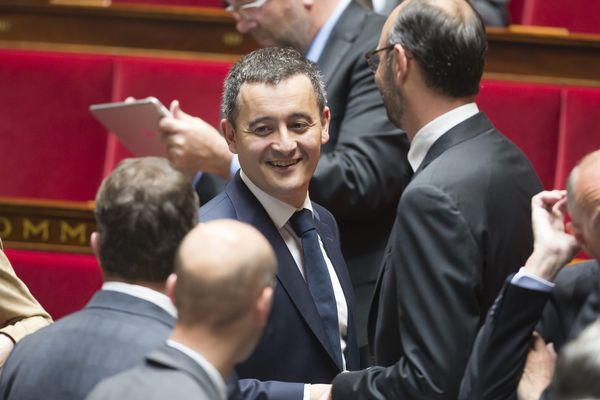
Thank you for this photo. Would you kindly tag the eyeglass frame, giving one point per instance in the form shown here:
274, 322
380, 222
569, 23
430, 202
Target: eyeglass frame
371, 56
239, 10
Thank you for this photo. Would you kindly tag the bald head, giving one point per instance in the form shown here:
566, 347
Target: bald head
222, 267
447, 40
583, 201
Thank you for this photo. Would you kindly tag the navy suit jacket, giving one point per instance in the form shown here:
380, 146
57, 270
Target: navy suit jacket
65, 360
294, 347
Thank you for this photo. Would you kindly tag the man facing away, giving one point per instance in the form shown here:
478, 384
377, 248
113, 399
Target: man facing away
463, 222
144, 208
222, 289
543, 297
362, 168
275, 120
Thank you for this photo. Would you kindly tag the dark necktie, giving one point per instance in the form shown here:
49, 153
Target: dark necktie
317, 277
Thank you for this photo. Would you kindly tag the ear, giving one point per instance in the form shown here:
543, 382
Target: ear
170, 287
263, 305
400, 64
229, 134
325, 119
95, 243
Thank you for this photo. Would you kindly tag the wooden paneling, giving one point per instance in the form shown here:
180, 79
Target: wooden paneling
47, 225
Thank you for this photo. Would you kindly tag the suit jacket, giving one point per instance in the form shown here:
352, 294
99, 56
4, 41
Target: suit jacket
499, 354
65, 360
166, 373
462, 225
363, 168
20, 313
294, 346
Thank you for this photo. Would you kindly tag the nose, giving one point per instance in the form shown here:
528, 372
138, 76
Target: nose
243, 25
286, 142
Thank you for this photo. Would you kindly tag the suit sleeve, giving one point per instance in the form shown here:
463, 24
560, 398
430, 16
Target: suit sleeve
432, 270
252, 389
498, 357
366, 169
20, 313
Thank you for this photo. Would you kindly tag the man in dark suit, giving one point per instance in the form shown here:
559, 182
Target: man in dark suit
362, 169
558, 307
463, 222
143, 210
275, 121
222, 289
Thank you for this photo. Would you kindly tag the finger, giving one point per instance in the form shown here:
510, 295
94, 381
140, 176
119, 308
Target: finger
551, 350
537, 342
174, 107
129, 99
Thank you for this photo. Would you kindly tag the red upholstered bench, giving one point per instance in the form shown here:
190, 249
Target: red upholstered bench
575, 15
579, 129
197, 84
52, 148
62, 283
528, 114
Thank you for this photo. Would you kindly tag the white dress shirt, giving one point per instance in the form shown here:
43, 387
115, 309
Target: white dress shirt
144, 293
427, 135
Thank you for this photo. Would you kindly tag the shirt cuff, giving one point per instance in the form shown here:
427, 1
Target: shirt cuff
529, 281
306, 395
235, 165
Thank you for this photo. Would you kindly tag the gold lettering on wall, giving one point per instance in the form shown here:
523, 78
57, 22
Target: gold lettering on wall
232, 39
68, 232
5, 25
41, 229
6, 227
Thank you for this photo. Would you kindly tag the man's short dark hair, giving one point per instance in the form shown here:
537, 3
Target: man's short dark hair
447, 41
270, 65
144, 208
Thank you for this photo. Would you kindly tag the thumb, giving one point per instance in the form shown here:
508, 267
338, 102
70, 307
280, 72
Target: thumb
537, 342
177, 112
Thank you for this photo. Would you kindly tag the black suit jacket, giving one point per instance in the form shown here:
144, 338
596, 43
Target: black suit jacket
294, 347
462, 225
499, 354
363, 169
65, 360
166, 373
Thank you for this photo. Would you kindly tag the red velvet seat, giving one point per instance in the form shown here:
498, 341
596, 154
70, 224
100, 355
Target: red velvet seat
197, 84
515, 9
528, 114
62, 283
575, 15
579, 129
51, 145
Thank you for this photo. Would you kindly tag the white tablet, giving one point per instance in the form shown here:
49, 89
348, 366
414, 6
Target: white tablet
135, 123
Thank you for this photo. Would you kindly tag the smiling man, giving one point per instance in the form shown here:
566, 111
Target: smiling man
276, 121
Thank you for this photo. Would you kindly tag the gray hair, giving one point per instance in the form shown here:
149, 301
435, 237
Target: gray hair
270, 65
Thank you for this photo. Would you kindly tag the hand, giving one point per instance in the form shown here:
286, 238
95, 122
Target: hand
193, 145
539, 369
553, 248
6, 346
320, 392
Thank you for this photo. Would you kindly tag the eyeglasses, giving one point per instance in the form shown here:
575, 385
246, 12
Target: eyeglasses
373, 58
244, 10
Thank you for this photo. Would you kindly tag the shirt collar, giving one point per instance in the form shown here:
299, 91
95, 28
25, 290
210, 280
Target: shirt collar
427, 135
318, 43
278, 211
144, 293
210, 370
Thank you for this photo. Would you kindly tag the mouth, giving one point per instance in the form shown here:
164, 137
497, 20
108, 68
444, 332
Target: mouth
283, 164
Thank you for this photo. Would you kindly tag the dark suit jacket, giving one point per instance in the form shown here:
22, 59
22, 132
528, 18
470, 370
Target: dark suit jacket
166, 373
462, 225
65, 360
294, 347
499, 354
363, 169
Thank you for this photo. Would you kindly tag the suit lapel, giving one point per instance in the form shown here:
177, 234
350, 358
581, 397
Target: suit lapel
467, 129
339, 43
249, 210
